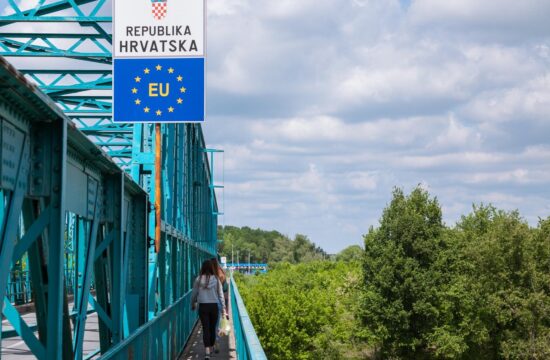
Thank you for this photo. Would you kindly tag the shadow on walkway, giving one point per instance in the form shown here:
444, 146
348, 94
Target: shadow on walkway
195, 348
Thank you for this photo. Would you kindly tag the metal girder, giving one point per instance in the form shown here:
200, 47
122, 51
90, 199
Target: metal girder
85, 46
132, 284
76, 188
74, 104
71, 29
64, 82
100, 201
39, 12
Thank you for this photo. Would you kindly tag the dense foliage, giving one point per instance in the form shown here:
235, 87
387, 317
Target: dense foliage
351, 253
307, 311
480, 290
267, 246
421, 290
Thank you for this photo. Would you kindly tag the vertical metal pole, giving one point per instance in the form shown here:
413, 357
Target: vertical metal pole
115, 192
91, 236
80, 236
214, 239
58, 149
158, 185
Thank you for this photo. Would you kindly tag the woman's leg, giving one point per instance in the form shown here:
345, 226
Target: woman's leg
213, 323
204, 315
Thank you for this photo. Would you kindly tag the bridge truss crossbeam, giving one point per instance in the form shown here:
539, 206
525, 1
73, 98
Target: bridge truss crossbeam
97, 214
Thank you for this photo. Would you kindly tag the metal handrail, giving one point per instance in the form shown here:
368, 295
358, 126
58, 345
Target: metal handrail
164, 336
248, 344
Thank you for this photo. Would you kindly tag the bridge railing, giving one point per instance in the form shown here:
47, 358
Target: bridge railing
247, 342
163, 337
18, 290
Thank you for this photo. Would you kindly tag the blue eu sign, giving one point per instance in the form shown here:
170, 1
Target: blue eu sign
158, 90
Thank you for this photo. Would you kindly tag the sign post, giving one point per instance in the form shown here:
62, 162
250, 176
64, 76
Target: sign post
159, 60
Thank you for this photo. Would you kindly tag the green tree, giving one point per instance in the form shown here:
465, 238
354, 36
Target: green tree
494, 302
267, 246
351, 253
400, 300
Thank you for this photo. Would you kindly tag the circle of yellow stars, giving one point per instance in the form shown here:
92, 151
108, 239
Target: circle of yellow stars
147, 109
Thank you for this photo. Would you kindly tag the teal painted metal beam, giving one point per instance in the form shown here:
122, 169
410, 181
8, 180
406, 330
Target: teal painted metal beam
19, 102
25, 35
38, 12
23, 330
189, 223
75, 19
88, 262
183, 253
11, 47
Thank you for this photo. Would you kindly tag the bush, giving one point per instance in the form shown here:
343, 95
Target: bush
307, 311
420, 290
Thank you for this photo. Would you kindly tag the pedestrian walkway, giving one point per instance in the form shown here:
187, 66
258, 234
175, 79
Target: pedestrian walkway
195, 348
14, 348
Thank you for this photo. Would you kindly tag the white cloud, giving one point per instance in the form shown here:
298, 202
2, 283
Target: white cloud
519, 176
450, 159
526, 17
525, 102
322, 107
221, 8
362, 180
21, 5
327, 129
457, 135
405, 80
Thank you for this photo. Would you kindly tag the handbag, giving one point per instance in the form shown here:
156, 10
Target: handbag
225, 327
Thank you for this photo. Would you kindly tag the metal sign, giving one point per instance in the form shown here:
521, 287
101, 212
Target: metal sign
159, 60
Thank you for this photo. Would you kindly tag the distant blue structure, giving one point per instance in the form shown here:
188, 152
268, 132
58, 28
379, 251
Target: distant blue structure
248, 267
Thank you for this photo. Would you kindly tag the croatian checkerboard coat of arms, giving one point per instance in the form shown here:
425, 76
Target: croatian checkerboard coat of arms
158, 60
159, 8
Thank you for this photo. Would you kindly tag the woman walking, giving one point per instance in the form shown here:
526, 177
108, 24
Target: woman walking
223, 280
207, 293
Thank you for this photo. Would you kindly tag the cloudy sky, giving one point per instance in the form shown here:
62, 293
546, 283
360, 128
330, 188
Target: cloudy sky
322, 107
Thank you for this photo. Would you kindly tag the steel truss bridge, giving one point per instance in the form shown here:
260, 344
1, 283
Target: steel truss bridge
80, 231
